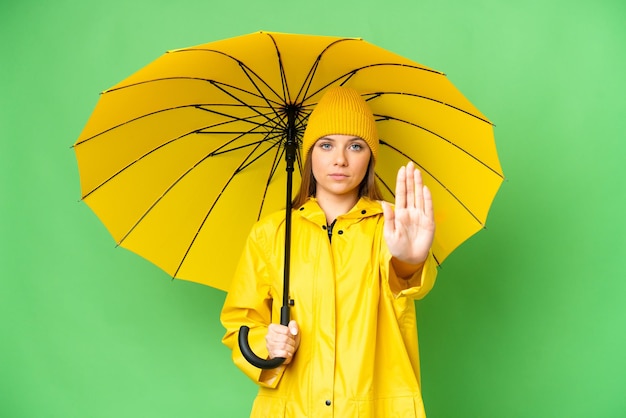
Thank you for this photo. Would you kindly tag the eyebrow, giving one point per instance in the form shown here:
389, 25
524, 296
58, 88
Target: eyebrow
354, 138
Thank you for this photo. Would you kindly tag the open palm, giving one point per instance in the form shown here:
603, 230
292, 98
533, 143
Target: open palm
410, 225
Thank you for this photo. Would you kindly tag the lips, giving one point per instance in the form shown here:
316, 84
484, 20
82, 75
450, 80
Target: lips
338, 176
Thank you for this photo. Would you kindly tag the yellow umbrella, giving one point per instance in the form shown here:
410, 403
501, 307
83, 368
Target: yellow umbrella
182, 157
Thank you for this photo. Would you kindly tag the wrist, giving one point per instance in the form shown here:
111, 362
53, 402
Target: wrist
406, 269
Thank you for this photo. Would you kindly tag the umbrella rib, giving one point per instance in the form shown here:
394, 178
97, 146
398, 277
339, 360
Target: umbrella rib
199, 106
308, 81
250, 162
171, 141
384, 183
171, 186
385, 118
271, 104
422, 168
206, 80
310, 75
244, 104
247, 70
281, 69
246, 119
382, 93
252, 76
242, 165
301, 121
306, 84
345, 77
273, 168
354, 71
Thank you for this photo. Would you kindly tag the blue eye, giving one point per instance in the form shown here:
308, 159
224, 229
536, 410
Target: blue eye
356, 147
325, 145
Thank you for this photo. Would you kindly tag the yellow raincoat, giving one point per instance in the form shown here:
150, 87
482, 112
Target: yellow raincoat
358, 355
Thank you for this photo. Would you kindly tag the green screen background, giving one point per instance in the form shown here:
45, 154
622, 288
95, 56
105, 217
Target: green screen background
528, 318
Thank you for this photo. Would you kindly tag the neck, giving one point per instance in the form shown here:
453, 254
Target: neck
334, 206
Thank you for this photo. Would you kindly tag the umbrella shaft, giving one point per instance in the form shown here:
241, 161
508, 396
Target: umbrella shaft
290, 157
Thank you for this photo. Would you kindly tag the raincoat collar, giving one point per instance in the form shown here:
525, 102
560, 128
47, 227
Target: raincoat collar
364, 207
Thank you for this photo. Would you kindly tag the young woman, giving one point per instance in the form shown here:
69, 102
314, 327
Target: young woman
357, 264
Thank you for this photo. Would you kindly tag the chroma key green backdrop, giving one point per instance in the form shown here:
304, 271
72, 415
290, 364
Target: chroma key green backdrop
528, 318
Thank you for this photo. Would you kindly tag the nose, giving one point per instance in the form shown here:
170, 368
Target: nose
340, 157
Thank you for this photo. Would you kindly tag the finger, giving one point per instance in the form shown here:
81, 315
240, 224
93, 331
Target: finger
289, 344
281, 342
295, 331
410, 185
401, 188
293, 327
428, 204
419, 189
278, 329
390, 217
280, 352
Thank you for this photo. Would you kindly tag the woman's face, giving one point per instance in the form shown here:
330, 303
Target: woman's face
339, 164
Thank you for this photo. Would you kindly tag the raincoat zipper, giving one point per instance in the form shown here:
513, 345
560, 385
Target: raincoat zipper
329, 229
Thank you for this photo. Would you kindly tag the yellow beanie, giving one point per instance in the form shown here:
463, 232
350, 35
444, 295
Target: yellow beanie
341, 111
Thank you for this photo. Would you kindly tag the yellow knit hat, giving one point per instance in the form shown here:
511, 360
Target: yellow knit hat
341, 111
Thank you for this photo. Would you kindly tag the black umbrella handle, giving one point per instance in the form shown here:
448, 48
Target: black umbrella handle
249, 355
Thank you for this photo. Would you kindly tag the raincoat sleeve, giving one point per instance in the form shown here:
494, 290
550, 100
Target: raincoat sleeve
249, 302
417, 286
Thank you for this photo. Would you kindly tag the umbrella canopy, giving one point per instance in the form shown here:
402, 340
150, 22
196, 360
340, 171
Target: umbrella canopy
182, 157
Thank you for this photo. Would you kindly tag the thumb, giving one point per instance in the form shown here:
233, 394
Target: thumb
389, 216
293, 327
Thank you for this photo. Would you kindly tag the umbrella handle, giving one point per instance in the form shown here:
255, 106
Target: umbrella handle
252, 358
247, 352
